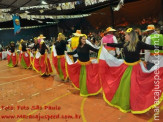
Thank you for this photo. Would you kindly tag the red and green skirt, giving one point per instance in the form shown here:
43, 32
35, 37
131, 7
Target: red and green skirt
85, 77
42, 65
59, 63
12, 59
129, 86
24, 59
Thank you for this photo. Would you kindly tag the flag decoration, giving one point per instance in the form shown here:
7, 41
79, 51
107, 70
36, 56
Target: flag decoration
16, 22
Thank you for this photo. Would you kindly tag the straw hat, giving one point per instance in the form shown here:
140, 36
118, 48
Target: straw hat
60, 33
109, 29
78, 33
12, 42
129, 30
21, 40
35, 38
41, 36
150, 27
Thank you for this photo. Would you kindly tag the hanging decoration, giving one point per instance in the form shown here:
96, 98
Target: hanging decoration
5, 10
7, 17
30, 27
4, 16
35, 7
33, 17
92, 2
120, 4
16, 23
60, 6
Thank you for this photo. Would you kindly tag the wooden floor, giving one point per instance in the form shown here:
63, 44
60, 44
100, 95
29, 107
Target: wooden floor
26, 96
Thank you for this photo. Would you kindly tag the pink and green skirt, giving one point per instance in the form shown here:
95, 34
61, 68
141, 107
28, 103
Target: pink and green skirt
12, 59
85, 77
129, 86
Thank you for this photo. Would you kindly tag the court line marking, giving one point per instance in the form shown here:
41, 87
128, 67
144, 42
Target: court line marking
20, 100
48, 89
31, 96
35, 94
15, 76
82, 110
8, 69
60, 84
55, 99
39, 93
17, 80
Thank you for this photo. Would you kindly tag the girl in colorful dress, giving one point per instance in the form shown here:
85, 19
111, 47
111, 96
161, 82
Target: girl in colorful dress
110, 38
84, 73
12, 56
41, 62
36, 46
127, 84
58, 56
24, 56
34, 49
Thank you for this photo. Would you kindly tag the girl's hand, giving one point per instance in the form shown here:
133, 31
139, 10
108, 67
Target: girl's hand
104, 44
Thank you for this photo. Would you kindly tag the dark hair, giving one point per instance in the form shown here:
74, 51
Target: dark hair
161, 30
23, 43
80, 43
43, 45
12, 44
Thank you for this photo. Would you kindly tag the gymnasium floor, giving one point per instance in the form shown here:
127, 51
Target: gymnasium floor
24, 94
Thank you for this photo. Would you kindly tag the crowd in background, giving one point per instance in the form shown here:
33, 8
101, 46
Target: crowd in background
93, 36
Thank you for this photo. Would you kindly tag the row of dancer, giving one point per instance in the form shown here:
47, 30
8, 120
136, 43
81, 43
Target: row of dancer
126, 84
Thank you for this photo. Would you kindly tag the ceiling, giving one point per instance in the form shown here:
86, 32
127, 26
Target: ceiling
15, 6
29, 8
80, 8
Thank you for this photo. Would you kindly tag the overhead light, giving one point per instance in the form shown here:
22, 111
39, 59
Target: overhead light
27, 12
51, 22
44, 2
40, 21
41, 11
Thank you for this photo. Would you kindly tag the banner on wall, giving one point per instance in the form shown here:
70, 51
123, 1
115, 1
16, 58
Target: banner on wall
16, 22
